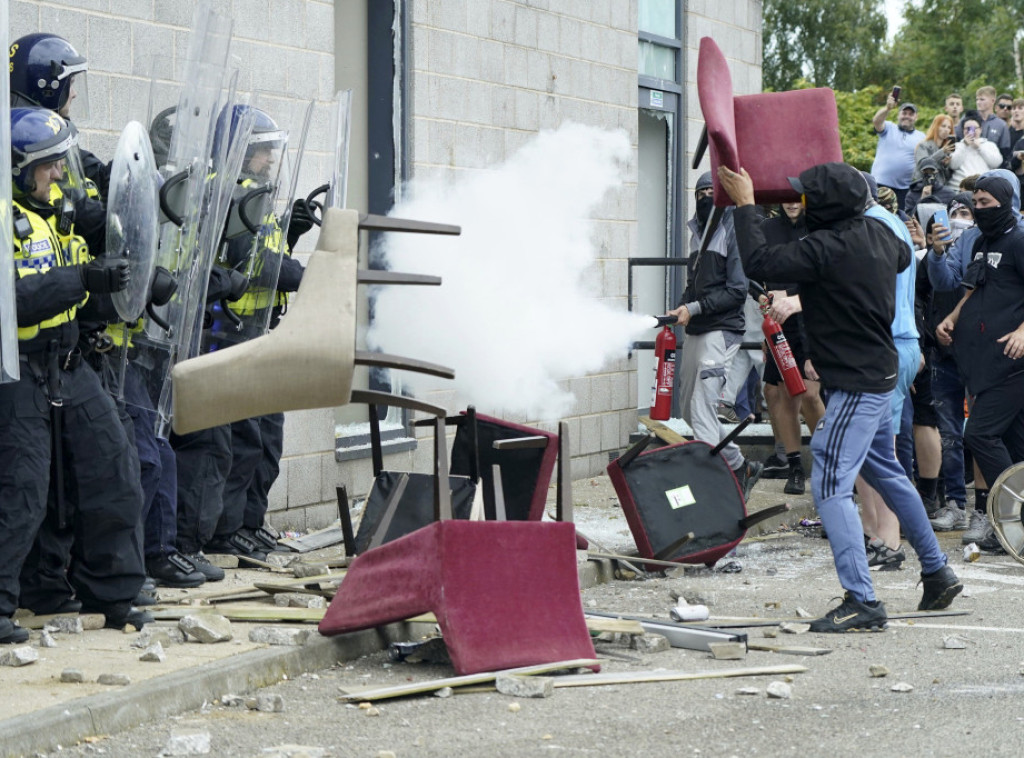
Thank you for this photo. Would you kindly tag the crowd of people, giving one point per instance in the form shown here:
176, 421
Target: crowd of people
97, 508
901, 295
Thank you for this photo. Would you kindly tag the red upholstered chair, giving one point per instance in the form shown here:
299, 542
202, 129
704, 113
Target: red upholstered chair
505, 594
773, 135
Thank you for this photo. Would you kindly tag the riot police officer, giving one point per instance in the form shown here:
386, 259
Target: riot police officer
70, 498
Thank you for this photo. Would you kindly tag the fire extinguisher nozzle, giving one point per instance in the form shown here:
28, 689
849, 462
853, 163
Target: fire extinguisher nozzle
667, 320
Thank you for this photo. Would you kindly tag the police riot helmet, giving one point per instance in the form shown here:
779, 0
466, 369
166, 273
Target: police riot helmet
38, 136
42, 67
266, 134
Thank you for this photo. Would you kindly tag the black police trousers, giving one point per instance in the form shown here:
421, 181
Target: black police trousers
98, 554
204, 460
256, 446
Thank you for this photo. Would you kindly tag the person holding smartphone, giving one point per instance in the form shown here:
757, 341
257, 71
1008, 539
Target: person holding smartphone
938, 145
894, 157
974, 154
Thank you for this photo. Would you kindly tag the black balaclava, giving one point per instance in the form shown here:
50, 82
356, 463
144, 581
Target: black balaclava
995, 221
704, 204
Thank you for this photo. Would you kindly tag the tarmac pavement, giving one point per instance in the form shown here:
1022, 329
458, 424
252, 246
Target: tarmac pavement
962, 700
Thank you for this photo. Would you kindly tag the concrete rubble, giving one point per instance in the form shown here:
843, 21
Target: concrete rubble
114, 680
154, 654
72, 676
525, 686
779, 690
280, 635
207, 627
19, 656
187, 742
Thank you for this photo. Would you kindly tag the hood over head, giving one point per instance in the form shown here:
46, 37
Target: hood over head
1007, 176
833, 192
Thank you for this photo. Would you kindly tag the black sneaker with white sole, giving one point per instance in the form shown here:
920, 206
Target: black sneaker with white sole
881, 557
775, 467
795, 483
852, 616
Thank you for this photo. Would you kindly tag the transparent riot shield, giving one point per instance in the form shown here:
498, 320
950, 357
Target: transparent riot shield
9, 370
256, 246
182, 115
132, 211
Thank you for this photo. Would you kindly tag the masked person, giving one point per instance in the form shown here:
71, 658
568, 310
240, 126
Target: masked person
712, 312
846, 267
69, 484
986, 330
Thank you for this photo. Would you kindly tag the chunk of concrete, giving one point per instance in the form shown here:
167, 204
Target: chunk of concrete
19, 656
114, 680
151, 634
902, 687
299, 600
779, 690
72, 676
46, 639
187, 742
65, 624
153, 654
525, 686
728, 651
789, 627
877, 670
265, 703
302, 570
649, 643
280, 635
206, 627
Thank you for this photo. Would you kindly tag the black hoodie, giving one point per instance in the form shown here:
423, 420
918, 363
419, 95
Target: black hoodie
846, 267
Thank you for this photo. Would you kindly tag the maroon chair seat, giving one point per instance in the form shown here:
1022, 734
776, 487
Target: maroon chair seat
505, 594
773, 135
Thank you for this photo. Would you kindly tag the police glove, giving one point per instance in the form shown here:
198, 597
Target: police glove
163, 286
300, 222
105, 275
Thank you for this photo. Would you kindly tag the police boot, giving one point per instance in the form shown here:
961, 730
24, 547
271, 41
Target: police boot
118, 615
264, 538
11, 633
236, 544
174, 570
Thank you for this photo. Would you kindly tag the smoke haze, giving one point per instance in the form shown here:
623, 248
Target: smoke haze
513, 315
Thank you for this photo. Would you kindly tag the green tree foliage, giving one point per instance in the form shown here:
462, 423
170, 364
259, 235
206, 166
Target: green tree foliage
956, 45
832, 43
856, 134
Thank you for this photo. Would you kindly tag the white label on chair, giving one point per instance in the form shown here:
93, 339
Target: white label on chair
680, 497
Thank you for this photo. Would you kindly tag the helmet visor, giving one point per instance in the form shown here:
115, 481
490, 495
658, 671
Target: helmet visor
75, 98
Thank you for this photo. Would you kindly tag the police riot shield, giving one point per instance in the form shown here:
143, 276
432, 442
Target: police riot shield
9, 369
132, 226
188, 197
256, 245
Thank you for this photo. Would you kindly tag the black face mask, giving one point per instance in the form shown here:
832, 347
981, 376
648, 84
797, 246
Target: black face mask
704, 206
994, 221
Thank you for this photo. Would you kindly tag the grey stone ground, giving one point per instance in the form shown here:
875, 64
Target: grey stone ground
964, 702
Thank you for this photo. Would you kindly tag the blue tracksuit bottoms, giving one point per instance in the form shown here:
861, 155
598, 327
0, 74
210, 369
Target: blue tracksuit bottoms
855, 436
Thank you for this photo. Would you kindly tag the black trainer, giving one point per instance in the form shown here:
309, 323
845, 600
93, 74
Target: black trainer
11, 633
795, 483
203, 566
991, 545
264, 538
940, 588
174, 570
236, 544
118, 615
852, 616
748, 475
775, 467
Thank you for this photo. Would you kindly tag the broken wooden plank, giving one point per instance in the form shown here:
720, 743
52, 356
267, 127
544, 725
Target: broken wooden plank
332, 535
635, 559
638, 677
772, 647
418, 688
90, 621
265, 613
661, 431
614, 626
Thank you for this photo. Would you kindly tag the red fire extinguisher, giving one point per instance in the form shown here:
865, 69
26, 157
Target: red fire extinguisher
783, 356
665, 370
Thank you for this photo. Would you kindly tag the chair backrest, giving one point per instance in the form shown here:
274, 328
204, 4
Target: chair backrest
773, 135
307, 362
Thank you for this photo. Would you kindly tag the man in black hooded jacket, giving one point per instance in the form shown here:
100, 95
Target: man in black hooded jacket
986, 330
846, 267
